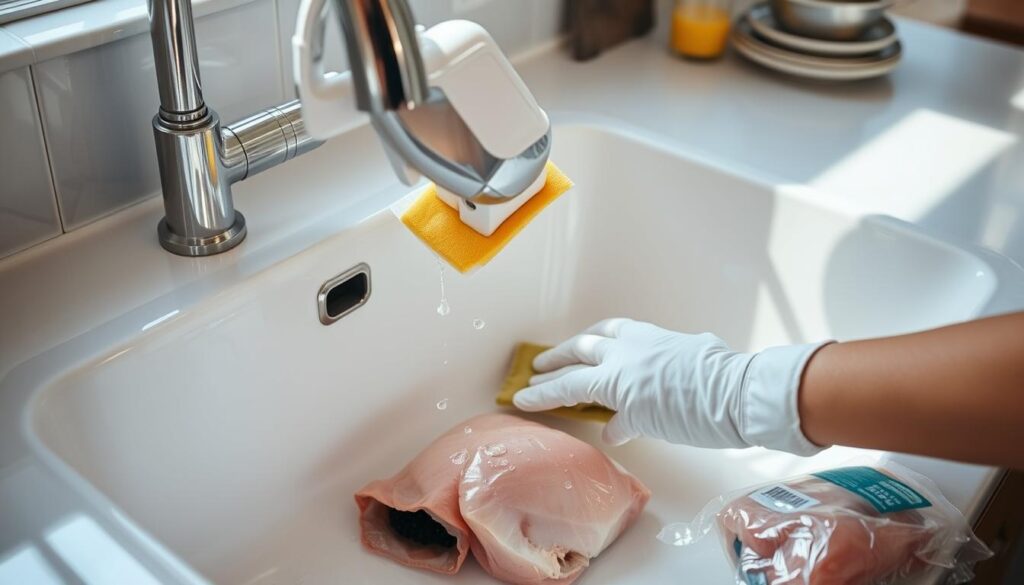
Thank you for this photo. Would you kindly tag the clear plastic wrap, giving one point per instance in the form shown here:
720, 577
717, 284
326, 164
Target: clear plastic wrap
859, 525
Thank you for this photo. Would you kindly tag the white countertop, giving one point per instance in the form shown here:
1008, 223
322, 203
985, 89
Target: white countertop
945, 153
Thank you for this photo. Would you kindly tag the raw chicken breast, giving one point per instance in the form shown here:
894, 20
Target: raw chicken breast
541, 504
428, 484
842, 540
534, 504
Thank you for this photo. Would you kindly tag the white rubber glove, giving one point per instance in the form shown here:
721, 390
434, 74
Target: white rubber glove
682, 388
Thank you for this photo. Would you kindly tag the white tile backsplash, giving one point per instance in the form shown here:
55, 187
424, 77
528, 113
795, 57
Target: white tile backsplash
14, 52
28, 213
430, 12
549, 19
94, 23
97, 93
517, 25
98, 106
510, 23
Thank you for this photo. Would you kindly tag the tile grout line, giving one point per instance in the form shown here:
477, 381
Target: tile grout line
30, 68
46, 146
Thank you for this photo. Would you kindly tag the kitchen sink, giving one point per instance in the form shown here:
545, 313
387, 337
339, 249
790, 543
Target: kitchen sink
233, 430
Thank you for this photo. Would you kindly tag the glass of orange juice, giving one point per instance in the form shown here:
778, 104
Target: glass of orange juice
700, 28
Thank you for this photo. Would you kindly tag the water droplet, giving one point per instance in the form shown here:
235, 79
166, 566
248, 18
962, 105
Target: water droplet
565, 470
567, 485
444, 363
479, 324
503, 462
519, 451
442, 404
572, 455
467, 430
443, 308
459, 457
511, 467
495, 450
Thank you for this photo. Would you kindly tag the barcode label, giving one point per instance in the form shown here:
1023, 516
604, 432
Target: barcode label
783, 498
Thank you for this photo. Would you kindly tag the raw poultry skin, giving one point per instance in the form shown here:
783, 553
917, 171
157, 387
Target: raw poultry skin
533, 504
842, 541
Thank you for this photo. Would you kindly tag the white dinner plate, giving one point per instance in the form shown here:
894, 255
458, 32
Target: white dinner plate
813, 66
877, 38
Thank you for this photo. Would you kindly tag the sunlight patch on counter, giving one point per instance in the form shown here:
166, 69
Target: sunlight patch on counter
913, 166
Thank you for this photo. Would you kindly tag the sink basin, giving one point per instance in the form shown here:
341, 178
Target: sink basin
234, 430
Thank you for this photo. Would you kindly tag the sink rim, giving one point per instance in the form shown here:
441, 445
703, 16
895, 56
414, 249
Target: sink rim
38, 377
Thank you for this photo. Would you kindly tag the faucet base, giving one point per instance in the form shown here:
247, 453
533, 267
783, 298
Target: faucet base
221, 242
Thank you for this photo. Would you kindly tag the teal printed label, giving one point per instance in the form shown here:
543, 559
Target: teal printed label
881, 491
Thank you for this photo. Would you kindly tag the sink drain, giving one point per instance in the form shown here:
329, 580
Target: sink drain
343, 294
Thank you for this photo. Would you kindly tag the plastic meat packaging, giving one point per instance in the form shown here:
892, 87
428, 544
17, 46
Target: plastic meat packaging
859, 525
532, 503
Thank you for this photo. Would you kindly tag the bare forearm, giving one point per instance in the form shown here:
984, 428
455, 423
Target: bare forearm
955, 392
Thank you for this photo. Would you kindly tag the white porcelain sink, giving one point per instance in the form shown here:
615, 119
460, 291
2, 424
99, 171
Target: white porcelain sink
235, 430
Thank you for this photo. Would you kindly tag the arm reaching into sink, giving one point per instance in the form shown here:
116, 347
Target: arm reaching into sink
918, 393
955, 392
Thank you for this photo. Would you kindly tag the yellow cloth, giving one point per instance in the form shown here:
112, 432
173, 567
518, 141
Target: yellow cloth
439, 226
518, 377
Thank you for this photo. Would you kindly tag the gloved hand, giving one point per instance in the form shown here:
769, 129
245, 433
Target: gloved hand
682, 388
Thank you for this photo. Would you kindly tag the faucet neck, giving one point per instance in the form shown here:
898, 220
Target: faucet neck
172, 30
384, 56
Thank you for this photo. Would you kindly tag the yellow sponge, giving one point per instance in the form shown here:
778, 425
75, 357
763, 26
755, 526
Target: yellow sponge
518, 377
439, 226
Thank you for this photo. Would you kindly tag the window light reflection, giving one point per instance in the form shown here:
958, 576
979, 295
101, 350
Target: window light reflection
94, 556
1017, 100
27, 565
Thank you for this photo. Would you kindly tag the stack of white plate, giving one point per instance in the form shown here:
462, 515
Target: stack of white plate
760, 38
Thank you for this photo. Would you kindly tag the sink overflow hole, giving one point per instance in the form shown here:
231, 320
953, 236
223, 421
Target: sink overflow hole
343, 294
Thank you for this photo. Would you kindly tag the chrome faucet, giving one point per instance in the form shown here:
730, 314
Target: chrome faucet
200, 159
